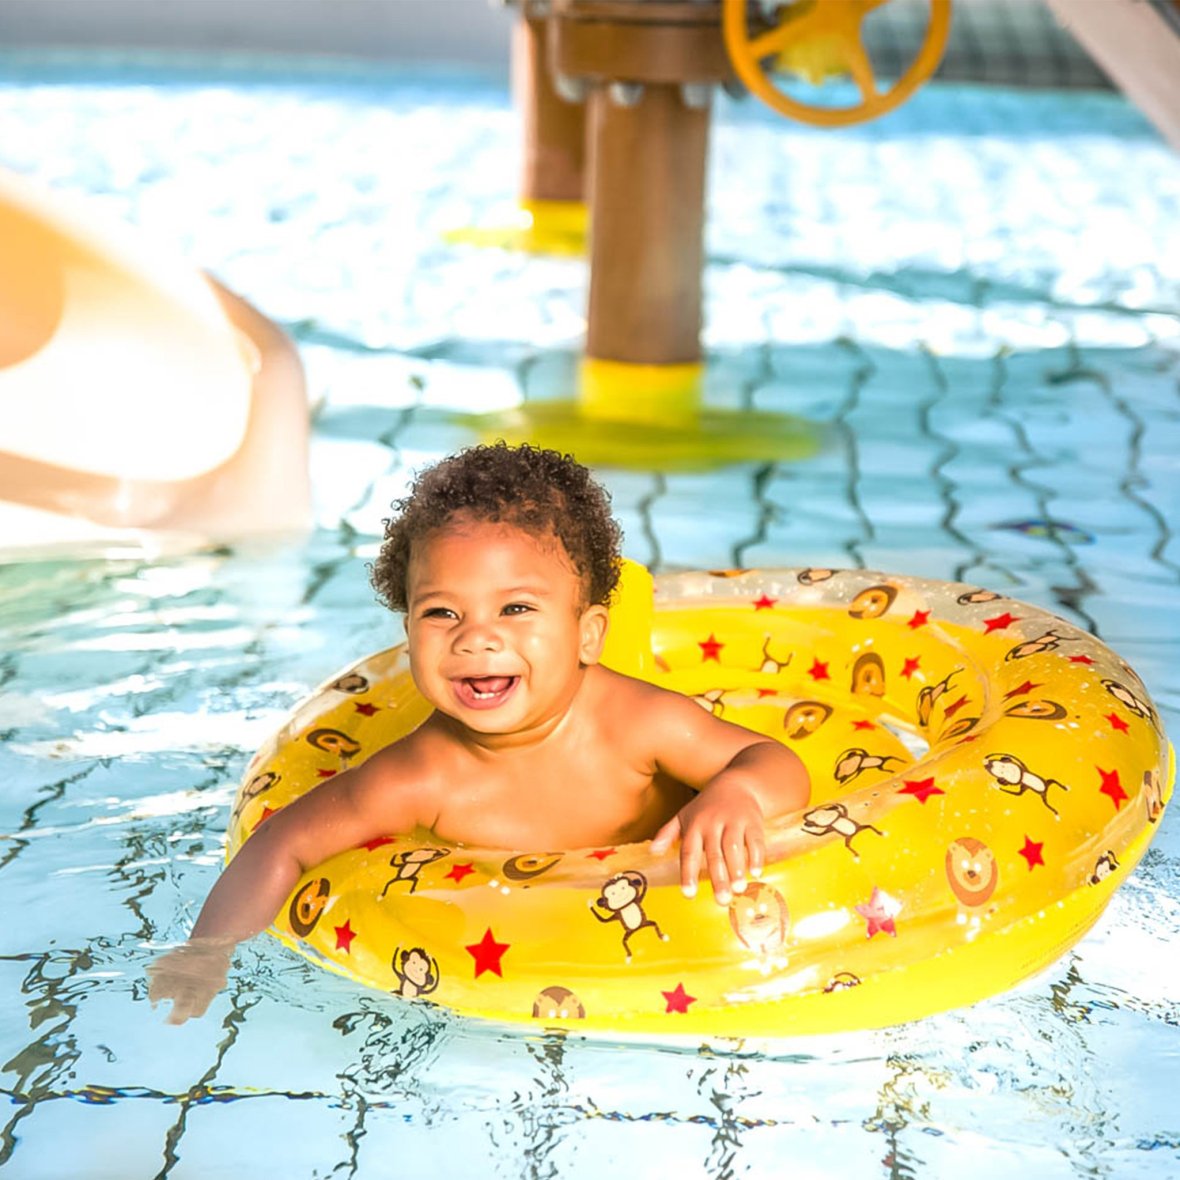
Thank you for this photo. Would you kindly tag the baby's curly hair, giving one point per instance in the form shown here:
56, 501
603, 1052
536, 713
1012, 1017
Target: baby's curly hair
539, 491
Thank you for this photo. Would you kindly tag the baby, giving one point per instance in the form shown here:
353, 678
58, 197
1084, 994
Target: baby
503, 560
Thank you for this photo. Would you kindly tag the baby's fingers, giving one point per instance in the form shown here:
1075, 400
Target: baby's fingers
736, 848
721, 871
189, 1004
662, 840
189, 976
692, 854
755, 852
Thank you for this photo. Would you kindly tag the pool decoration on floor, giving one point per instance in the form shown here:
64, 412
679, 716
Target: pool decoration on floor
985, 775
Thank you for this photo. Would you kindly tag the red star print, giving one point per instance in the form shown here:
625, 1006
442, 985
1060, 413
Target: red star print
764, 603
377, 842
1081, 660
458, 872
951, 710
325, 773
365, 709
921, 789
918, 619
710, 648
1116, 722
344, 936
601, 853
1032, 853
818, 671
678, 1000
878, 913
1112, 787
910, 667
1000, 622
267, 812
863, 725
1027, 686
487, 954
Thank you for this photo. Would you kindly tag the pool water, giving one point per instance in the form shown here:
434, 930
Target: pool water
976, 302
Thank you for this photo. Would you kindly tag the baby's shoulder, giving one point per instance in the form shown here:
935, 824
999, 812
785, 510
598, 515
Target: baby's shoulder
637, 702
415, 762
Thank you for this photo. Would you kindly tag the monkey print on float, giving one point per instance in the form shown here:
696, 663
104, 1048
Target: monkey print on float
857, 760
1047, 641
416, 973
1129, 700
929, 695
1105, 865
410, 863
1014, 778
558, 1003
834, 817
1153, 796
258, 785
622, 901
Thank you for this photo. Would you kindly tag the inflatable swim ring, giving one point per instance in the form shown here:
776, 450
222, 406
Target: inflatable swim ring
984, 774
135, 393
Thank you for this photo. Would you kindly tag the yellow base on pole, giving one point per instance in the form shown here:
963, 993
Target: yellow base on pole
649, 418
541, 227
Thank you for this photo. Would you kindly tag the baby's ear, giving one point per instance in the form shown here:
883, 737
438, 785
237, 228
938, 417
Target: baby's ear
593, 624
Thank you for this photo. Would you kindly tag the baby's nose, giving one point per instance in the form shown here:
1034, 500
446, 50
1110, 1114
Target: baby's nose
478, 636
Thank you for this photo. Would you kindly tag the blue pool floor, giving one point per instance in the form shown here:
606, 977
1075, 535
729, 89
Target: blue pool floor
974, 303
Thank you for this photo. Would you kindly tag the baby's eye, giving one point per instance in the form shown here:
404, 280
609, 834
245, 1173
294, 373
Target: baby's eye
516, 608
438, 612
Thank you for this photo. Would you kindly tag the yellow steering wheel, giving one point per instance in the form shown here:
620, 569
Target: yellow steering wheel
823, 37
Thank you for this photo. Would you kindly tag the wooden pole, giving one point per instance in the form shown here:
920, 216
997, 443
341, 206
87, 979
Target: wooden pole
647, 193
554, 130
648, 66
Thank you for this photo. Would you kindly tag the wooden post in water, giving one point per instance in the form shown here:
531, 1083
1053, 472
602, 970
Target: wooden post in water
647, 200
649, 65
554, 130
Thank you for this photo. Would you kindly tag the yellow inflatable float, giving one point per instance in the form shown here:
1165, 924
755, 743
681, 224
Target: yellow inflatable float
135, 394
984, 774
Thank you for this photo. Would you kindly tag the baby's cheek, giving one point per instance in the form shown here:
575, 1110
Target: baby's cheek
541, 652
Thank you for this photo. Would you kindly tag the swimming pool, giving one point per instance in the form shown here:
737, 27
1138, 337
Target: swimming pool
976, 302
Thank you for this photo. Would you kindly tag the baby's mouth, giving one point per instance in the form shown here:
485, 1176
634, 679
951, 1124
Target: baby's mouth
484, 692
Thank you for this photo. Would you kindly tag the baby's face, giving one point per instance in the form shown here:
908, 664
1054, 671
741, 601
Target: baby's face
496, 628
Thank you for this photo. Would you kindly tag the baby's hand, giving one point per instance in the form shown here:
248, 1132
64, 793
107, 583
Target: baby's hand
722, 826
190, 976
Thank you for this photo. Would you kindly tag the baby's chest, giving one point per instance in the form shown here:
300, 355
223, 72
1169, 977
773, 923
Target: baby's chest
538, 804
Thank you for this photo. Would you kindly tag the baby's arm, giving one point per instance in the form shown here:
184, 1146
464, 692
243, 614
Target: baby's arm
741, 778
378, 798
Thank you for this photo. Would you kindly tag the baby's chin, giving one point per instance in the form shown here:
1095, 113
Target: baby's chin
480, 722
